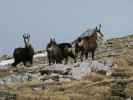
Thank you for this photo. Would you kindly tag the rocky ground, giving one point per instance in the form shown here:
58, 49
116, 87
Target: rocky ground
87, 80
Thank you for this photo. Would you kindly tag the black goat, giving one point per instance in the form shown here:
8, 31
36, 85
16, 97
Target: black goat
24, 54
58, 52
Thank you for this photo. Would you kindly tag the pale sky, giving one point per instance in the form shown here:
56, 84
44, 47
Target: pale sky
62, 19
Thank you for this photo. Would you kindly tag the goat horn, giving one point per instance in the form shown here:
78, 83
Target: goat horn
23, 36
100, 26
29, 35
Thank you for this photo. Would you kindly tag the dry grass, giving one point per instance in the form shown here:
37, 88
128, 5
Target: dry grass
83, 90
129, 90
76, 90
94, 77
92, 87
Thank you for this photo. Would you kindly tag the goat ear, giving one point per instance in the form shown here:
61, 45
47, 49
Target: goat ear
54, 39
96, 28
100, 27
23, 36
50, 39
28, 35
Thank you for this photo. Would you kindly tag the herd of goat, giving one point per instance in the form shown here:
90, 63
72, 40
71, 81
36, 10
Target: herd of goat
57, 52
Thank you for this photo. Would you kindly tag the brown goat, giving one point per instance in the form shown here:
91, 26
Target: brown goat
87, 44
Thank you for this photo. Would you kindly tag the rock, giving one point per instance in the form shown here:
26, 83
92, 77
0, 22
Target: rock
4, 64
18, 78
57, 68
7, 96
52, 76
58, 72
100, 67
5, 57
42, 72
64, 80
44, 78
79, 72
49, 81
108, 62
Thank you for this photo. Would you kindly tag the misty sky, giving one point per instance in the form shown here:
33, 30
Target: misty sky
62, 19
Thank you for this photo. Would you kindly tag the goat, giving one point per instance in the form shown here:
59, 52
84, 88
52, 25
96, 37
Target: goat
58, 52
24, 54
